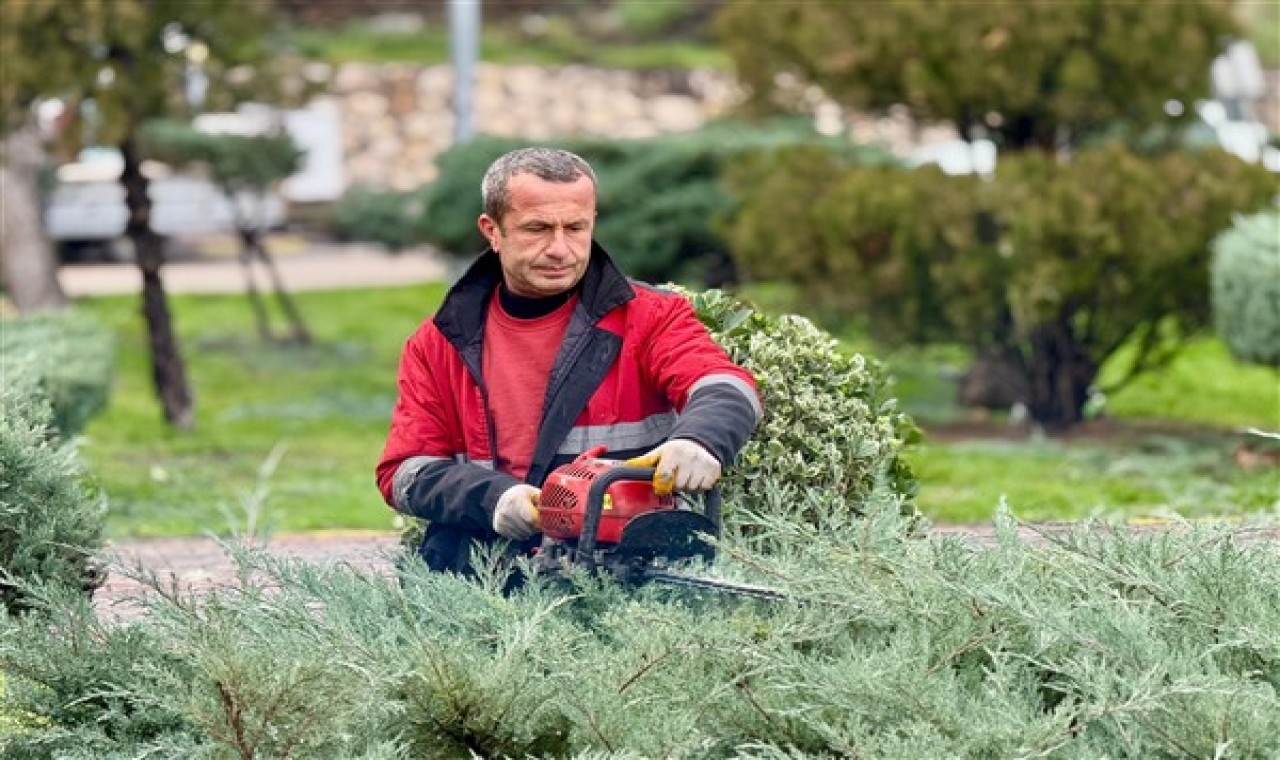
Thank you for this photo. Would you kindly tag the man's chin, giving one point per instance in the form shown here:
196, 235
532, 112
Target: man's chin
554, 286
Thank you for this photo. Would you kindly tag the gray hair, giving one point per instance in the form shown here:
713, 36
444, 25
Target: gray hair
549, 164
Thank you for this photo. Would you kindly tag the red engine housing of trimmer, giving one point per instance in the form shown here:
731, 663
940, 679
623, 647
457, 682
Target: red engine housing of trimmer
562, 504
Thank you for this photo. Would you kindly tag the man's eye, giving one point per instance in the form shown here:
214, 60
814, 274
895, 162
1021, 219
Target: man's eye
535, 229
578, 227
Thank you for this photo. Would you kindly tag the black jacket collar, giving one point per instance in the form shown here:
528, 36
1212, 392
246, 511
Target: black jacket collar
462, 315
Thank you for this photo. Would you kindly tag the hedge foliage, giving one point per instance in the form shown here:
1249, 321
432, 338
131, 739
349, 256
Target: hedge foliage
930, 256
57, 373
831, 429
390, 217
1246, 288
64, 358
1100, 643
50, 525
659, 198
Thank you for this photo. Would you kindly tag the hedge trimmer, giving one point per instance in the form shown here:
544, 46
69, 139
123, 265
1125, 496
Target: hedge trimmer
603, 516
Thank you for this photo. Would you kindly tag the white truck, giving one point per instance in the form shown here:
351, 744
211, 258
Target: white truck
86, 212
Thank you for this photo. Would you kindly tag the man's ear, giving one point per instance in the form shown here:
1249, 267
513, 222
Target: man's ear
489, 228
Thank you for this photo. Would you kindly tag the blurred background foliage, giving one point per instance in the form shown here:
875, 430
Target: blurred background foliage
1092, 235
1246, 288
659, 197
918, 256
618, 33
628, 33
1071, 282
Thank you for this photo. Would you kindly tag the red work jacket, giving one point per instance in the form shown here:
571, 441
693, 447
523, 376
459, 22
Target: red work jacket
636, 367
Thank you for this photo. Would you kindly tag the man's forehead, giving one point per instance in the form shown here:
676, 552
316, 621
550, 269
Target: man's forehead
530, 192
531, 181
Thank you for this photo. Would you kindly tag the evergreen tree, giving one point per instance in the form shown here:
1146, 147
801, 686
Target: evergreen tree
245, 169
1071, 251
127, 58
1039, 74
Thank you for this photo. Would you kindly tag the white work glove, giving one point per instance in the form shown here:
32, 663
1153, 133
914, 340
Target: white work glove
681, 465
516, 516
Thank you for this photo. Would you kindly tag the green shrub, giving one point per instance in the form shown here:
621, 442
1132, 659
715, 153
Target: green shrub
1246, 288
864, 243
234, 162
1050, 267
68, 359
453, 199
1100, 643
659, 198
657, 208
644, 19
388, 217
49, 524
831, 429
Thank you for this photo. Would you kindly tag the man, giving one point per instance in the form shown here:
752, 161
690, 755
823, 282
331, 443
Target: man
541, 351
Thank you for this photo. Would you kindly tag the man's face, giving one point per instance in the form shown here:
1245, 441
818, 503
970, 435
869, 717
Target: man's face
544, 240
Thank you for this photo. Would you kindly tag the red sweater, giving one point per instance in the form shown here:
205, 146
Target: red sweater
518, 354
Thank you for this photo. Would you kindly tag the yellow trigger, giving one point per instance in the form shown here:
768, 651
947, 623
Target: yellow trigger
608, 501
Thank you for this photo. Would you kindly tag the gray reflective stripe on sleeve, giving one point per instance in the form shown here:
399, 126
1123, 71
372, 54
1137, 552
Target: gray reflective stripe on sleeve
405, 475
464, 459
409, 468
485, 463
646, 433
733, 381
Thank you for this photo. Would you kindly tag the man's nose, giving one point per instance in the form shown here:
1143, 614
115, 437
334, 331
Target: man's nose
559, 245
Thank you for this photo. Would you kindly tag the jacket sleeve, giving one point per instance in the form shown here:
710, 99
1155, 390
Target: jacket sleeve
717, 401
423, 471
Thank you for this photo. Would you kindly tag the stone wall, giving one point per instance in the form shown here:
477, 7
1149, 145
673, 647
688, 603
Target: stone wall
1268, 106
397, 118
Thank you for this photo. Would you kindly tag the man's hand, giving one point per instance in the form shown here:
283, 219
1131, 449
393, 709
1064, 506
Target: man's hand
681, 465
516, 516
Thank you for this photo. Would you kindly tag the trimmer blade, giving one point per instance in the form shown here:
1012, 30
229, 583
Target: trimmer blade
672, 534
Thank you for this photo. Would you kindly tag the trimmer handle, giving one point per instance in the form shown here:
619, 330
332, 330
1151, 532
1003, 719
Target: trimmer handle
595, 507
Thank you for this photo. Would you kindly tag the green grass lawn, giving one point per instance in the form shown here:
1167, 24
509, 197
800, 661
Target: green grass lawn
323, 410
1136, 474
1164, 446
1205, 385
558, 45
326, 407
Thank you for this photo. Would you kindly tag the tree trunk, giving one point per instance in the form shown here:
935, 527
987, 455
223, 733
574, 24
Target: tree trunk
252, 248
260, 317
30, 267
1060, 375
300, 334
995, 380
167, 369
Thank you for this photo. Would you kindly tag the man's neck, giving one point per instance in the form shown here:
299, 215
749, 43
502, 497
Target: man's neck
527, 307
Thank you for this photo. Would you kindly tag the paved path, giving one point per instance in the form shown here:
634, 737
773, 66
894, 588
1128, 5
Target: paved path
201, 564
303, 266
